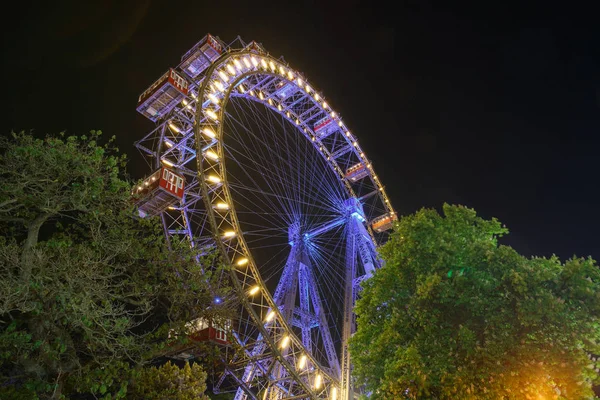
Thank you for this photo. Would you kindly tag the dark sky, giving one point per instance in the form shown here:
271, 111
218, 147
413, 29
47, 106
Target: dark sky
496, 107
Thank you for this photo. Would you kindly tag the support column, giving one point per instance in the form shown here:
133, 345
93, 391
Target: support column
347, 392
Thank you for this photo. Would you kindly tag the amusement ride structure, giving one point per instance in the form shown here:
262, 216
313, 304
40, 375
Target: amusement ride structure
250, 159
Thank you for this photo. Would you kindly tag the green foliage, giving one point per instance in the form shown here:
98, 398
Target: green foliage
169, 382
87, 290
453, 315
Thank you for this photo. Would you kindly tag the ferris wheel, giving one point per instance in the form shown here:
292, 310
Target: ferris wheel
251, 159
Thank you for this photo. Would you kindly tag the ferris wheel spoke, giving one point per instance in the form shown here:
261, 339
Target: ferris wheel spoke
291, 164
270, 194
310, 198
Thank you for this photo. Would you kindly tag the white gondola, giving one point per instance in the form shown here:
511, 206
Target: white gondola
285, 89
325, 127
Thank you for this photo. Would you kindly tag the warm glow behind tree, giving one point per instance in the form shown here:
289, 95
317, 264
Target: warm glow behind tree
452, 315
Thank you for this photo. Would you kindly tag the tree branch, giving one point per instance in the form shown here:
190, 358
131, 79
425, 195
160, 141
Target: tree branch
33, 231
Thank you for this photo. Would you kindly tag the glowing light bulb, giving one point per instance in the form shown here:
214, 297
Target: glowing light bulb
290, 75
263, 63
213, 179
219, 86
228, 234
270, 316
241, 262
284, 342
333, 114
282, 70
237, 64
246, 62
223, 76
212, 155
213, 98
325, 105
254, 290
211, 114
302, 362
222, 206
318, 381
173, 127
231, 70
254, 61
208, 132
167, 162
334, 393
272, 65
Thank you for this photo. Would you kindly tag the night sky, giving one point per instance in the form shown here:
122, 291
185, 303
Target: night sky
493, 107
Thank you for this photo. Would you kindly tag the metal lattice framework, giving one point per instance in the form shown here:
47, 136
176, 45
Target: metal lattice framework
272, 183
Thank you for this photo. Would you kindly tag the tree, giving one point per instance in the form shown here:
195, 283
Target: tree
169, 382
453, 315
87, 291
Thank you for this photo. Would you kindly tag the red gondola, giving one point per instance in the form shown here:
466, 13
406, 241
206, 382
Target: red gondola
164, 94
159, 191
199, 57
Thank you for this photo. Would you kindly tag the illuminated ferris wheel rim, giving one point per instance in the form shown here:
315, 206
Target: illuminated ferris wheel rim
225, 77
263, 64
239, 65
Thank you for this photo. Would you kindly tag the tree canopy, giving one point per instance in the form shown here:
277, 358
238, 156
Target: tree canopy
454, 315
87, 290
170, 382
